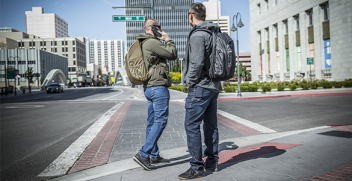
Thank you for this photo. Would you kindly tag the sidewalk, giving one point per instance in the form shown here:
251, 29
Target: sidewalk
247, 152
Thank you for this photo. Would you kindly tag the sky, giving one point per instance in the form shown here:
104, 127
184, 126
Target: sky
93, 18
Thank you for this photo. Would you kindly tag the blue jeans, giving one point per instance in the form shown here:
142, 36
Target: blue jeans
201, 105
158, 111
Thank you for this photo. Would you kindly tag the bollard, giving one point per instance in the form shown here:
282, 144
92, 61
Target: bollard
24, 91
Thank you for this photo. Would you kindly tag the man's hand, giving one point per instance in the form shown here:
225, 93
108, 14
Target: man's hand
164, 37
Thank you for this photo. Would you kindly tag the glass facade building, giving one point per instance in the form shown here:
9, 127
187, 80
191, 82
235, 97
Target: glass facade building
173, 18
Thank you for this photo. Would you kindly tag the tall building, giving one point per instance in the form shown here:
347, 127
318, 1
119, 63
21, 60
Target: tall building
107, 53
45, 25
285, 33
172, 16
213, 14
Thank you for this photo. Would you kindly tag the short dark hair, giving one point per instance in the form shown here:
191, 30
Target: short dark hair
199, 11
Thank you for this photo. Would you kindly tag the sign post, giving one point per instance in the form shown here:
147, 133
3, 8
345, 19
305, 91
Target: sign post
310, 62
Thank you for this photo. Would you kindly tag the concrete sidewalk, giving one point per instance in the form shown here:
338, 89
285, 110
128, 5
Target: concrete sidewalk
295, 155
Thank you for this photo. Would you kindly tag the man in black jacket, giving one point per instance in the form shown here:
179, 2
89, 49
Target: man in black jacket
201, 102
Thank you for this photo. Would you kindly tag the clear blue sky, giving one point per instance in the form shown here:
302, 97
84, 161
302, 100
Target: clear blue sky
93, 18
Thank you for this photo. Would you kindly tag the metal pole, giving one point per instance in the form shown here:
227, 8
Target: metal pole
152, 7
310, 75
217, 10
238, 63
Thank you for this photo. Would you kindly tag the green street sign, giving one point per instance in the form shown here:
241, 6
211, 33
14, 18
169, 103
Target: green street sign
10, 74
122, 18
310, 61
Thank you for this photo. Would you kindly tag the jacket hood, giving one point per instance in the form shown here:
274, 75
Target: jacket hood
142, 37
207, 25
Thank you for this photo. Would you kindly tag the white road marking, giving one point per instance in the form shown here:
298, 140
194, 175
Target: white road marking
245, 122
114, 95
65, 161
24, 106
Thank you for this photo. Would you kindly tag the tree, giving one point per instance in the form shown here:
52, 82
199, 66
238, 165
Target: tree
29, 76
176, 67
248, 74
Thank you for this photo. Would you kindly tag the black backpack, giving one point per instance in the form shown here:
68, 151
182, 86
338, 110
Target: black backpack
223, 60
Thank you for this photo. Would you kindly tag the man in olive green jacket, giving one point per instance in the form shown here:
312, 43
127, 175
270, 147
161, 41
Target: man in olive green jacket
155, 54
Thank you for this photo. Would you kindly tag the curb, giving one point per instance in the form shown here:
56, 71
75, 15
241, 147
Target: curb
292, 95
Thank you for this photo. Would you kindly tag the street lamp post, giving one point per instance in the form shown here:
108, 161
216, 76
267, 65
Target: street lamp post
234, 28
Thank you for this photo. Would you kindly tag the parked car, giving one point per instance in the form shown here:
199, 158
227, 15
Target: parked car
54, 88
77, 84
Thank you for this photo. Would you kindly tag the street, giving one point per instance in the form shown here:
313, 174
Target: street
37, 128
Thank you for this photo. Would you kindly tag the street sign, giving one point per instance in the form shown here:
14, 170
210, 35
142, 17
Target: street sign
122, 18
310, 61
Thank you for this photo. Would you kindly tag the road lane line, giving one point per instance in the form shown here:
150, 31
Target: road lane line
114, 95
64, 162
247, 123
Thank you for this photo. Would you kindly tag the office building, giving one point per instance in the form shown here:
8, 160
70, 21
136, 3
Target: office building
41, 61
286, 34
172, 16
73, 48
108, 54
45, 25
213, 14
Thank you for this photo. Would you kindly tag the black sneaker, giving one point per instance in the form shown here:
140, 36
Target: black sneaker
192, 174
159, 160
213, 167
143, 162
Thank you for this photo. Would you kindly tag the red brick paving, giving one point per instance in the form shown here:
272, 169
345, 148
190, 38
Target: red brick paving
98, 152
341, 173
346, 127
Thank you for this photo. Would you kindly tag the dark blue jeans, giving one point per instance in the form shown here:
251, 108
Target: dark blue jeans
158, 111
201, 105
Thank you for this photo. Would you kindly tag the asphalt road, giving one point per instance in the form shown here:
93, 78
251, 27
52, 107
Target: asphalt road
293, 113
37, 128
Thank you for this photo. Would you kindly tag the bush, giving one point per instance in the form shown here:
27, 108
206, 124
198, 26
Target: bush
293, 87
245, 84
178, 88
347, 83
280, 88
244, 88
286, 83
266, 88
326, 84
305, 86
315, 85
337, 84
175, 76
230, 89
253, 88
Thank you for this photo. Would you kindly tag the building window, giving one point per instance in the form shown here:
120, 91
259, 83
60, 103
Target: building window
297, 21
327, 47
73, 42
267, 4
55, 49
310, 17
276, 31
55, 43
326, 11
259, 10
45, 43
311, 53
74, 62
74, 49
287, 60
66, 49
278, 62
286, 26
41, 43
63, 49
30, 44
63, 43
275, 2
299, 61
74, 55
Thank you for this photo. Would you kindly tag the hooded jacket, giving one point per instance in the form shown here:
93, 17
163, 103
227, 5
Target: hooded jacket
195, 70
155, 53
